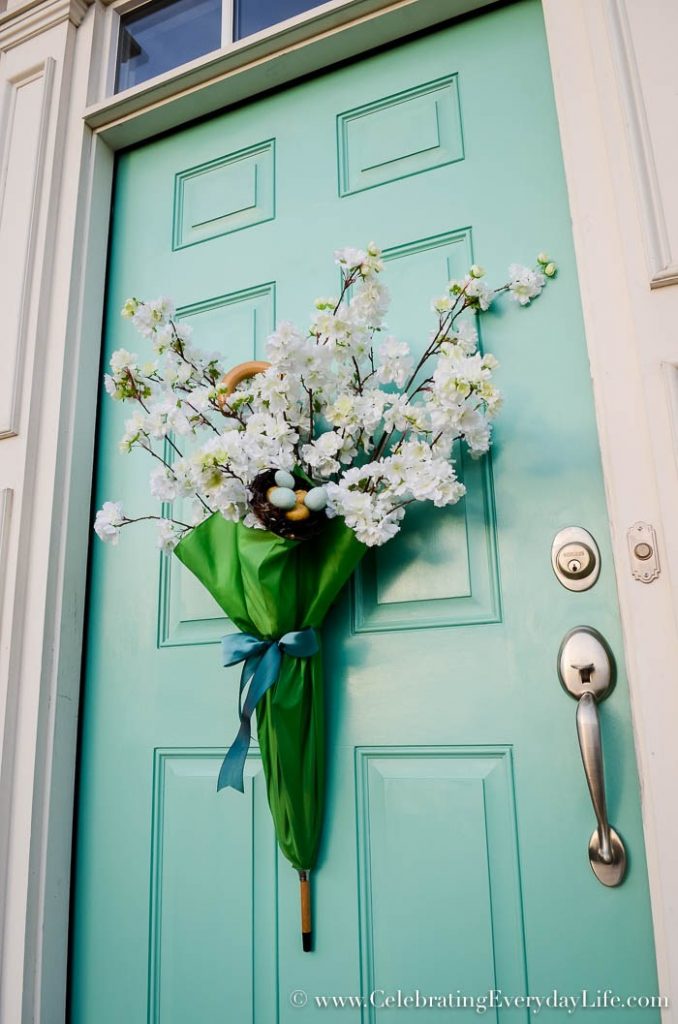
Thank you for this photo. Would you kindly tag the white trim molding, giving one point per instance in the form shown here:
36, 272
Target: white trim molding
23, 136
35, 17
662, 260
6, 495
629, 329
670, 371
42, 145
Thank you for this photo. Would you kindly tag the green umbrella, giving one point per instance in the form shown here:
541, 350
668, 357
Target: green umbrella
271, 587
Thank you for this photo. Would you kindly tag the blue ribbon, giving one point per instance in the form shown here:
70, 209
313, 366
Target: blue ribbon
261, 669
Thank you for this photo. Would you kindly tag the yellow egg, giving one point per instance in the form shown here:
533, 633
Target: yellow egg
300, 495
298, 513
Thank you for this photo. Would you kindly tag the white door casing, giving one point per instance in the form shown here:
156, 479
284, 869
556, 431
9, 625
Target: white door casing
615, 87
620, 155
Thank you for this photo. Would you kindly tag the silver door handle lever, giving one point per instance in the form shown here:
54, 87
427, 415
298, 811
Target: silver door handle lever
586, 671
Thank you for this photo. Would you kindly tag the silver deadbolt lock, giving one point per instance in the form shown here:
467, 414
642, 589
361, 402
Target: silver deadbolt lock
575, 558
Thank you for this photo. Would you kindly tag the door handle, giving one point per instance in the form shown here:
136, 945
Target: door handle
586, 671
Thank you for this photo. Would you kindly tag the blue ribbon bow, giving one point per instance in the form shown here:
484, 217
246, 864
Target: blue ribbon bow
261, 669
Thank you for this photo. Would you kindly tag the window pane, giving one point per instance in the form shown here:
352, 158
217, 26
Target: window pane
253, 15
163, 35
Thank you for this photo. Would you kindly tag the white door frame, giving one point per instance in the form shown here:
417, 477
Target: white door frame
46, 465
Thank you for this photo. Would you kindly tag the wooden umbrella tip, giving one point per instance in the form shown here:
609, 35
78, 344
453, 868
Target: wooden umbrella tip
306, 918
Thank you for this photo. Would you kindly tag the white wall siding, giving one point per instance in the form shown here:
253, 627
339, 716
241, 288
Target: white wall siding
38, 138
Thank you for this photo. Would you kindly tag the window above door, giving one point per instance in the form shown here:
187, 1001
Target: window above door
159, 35
140, 105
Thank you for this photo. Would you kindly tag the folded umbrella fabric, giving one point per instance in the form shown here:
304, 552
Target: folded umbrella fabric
270, 586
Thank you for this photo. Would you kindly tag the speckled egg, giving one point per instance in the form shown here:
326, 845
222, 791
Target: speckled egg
284, 479
316, 499
281, 497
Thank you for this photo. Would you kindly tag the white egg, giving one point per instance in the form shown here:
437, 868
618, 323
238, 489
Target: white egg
284, 479
316, 499
282, 497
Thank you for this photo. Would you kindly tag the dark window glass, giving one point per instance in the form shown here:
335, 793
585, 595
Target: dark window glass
253, 15
163, 35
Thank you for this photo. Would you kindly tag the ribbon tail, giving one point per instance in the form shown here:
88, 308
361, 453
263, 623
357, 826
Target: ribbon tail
232, 769
231, 773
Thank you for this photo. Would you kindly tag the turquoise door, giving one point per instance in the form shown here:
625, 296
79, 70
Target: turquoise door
455, 851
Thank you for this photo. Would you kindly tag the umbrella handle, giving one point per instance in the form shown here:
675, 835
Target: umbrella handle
238, 374
306, 917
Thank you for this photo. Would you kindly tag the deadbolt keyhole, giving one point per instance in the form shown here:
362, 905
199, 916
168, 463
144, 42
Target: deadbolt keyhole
575, 558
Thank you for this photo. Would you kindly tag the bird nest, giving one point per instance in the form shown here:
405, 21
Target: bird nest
275, 519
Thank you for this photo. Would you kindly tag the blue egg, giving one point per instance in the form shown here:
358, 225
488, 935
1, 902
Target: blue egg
284, 479
282, 497
316, 499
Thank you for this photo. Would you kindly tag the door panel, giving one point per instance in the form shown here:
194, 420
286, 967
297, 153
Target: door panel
446, 817
454, 856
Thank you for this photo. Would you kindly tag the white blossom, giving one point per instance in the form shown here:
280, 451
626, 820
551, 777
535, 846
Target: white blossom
395, 362
108, 521
163, 484
442, 305
524, 284
149, 316
476, 431
129, 309
135, 432
320, 454
350, 258
122, 360
466, 336
476, 288
369, 304
168, 536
